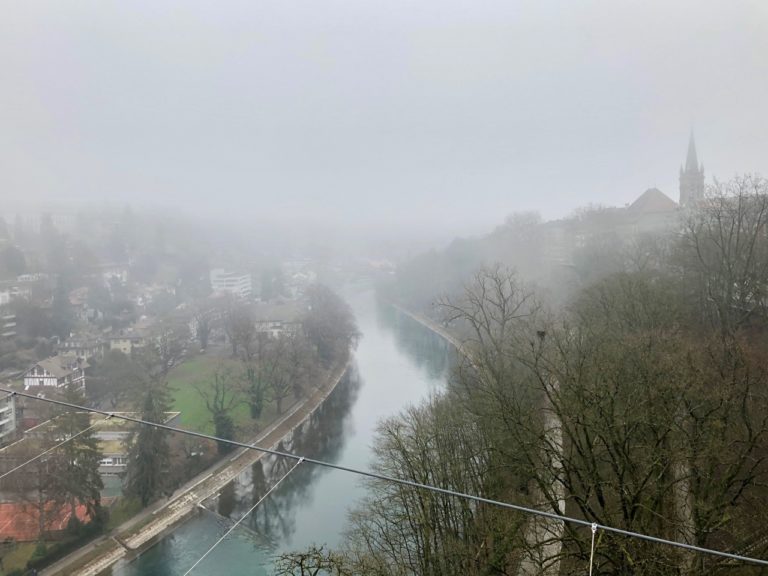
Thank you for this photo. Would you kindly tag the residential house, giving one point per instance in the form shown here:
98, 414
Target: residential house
85, 346
126, 342
56, 373
278, 318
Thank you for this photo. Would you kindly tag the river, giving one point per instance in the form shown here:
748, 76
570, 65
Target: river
397, 363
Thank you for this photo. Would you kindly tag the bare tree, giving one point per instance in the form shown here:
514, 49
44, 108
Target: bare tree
301, 362
167, 346
724, 253
403, 530
35, 484
329, 324
314, 561
273, 368
281, 379
116, 379
221, 396
617, 415
240, 328
203, 326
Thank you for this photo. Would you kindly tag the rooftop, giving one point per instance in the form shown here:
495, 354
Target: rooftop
19, 521
651, 201
59, 366
289, 311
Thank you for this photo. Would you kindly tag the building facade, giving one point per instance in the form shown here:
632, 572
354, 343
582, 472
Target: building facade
228, 282
7, 418
127, 343
56, 373
85, 347
7, 324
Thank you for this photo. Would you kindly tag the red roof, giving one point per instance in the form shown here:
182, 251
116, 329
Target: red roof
19, 520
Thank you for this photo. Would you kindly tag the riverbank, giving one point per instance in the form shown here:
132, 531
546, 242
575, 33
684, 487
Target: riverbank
143, 529
433, 326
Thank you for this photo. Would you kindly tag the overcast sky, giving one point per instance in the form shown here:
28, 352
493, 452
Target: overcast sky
433, 112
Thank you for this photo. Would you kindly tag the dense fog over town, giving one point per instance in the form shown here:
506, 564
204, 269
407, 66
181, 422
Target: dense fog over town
383, 288
438, 115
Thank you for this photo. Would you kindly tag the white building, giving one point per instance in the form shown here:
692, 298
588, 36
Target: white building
56, 372
227, 282
13, 293
7, 418
7, 325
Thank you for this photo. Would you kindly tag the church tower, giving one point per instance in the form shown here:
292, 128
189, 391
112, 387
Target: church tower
691, 178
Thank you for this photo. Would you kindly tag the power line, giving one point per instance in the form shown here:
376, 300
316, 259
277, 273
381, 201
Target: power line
251, 509
50, 449
411, 484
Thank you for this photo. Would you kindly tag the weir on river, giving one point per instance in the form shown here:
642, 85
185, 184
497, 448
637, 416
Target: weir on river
397, 363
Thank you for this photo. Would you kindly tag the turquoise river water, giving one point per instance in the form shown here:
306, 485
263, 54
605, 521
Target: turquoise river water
397, 363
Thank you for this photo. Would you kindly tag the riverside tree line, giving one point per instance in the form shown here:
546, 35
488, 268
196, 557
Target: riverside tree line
269, 368
640, 403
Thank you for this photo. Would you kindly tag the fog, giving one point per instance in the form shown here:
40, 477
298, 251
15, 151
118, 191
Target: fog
205, 206
393, 116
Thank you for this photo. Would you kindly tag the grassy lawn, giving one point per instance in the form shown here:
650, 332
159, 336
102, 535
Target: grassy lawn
125, 509
16, 559
198, 372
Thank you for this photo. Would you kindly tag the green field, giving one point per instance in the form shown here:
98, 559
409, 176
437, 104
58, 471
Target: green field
186, 378
16, 556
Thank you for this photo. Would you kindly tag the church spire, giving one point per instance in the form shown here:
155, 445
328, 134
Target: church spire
691, 177
691, 162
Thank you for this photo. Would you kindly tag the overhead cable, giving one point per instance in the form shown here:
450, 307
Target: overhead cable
51, 449
239, 520
412, 484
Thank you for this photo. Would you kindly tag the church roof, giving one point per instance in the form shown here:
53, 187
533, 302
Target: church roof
651, 201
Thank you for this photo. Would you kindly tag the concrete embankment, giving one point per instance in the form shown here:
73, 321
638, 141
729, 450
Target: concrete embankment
431, 325
141, 530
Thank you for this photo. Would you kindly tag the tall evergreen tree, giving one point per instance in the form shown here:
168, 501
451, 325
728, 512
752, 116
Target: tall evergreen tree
149, 452
76, 463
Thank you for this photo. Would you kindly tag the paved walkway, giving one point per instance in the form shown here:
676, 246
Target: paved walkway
166, 514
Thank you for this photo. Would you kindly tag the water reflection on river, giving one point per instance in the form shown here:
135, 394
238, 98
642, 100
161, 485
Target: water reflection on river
396, 363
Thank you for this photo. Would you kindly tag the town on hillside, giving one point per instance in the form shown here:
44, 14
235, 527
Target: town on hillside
105, 319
